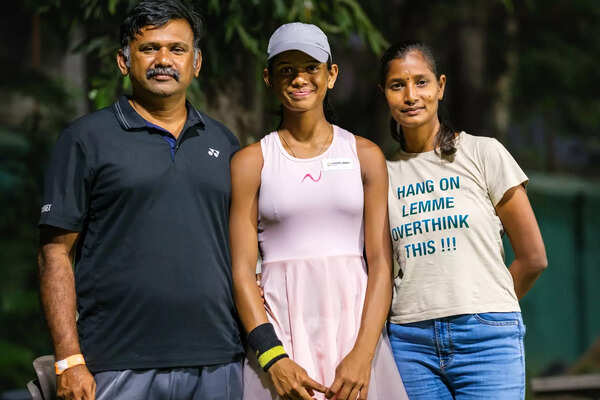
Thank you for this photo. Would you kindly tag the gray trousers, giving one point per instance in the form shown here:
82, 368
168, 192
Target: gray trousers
217, 382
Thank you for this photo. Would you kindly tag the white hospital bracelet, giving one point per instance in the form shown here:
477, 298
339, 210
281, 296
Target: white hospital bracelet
71, 361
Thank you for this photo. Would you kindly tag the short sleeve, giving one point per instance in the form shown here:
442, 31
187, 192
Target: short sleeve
235, 143
501, 171
235, 147
66, 184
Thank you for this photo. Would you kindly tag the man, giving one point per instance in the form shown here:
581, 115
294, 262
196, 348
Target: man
137, 197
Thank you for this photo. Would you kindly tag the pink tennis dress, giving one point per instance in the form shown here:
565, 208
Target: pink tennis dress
314, 276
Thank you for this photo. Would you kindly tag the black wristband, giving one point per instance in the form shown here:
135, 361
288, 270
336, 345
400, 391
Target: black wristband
267, 345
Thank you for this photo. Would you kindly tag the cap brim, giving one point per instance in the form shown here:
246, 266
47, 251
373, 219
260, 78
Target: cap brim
315, 52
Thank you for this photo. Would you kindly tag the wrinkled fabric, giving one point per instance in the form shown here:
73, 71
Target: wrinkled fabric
215, 382
315, 306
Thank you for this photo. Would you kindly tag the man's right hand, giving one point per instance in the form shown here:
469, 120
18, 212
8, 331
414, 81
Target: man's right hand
76, 383
57, 291
292, 382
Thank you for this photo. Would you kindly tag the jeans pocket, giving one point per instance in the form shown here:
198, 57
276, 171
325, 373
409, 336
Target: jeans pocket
498, 319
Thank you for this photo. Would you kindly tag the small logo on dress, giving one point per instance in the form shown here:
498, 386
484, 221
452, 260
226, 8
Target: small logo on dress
46, 208
311, 177
213, 152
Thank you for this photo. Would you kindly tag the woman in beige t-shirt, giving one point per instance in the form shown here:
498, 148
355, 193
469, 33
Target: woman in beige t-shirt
456, 328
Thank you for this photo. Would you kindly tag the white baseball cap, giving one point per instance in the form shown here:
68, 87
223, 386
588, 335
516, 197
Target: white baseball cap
306, 38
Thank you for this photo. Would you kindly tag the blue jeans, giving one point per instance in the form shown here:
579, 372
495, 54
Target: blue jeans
471, 356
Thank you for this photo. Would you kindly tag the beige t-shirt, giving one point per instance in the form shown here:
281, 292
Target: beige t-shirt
446, 234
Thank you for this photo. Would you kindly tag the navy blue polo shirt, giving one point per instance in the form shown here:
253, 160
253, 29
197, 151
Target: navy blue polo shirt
152, 268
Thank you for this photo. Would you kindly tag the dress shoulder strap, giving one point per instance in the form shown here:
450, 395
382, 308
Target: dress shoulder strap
346, 140
269, 147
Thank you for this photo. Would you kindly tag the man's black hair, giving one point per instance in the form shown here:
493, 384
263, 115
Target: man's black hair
157, 13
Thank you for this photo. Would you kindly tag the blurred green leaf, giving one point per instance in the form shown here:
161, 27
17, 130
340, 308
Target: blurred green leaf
89, 45
249, 42
18, 301
279, 9
214, 6
126, 83
112, 6
509, 4
230, 27
15, 361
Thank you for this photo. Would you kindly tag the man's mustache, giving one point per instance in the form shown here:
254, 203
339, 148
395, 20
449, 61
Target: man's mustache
163, 71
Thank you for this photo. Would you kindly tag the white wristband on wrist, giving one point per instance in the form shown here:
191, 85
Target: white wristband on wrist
71, 361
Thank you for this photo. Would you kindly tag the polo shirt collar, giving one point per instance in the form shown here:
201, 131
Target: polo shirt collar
129, 119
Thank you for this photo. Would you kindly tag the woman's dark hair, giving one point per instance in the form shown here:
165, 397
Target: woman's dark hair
157, 13
328, 110
444, 139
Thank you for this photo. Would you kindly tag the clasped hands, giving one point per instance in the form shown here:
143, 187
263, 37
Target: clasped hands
351, 381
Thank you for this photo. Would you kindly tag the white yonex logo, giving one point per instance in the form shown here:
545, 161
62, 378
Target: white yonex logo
46, 208
213, 152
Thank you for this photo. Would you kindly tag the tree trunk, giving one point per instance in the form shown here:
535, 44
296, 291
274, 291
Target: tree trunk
74, 71
502, 104
470, 94
238, 103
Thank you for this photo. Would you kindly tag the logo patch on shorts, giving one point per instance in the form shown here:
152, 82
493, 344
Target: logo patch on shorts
46, 208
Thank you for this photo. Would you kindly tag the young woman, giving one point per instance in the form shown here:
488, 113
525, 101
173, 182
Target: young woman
456, 329
312, 195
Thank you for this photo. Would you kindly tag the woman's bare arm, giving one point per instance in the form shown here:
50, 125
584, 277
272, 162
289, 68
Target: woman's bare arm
290, 380
520, 224
246, 166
